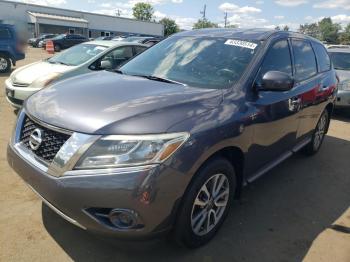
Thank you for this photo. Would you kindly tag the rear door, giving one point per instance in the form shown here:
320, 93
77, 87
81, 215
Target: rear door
311, 81
6, 38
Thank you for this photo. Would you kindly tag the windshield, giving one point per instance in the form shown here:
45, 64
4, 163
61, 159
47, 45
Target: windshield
341, 61
77, 55
204, 62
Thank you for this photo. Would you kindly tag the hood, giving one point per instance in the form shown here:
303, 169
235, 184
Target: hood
343, 75
29, 73
109, 103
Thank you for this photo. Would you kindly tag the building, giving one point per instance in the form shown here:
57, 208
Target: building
36, 20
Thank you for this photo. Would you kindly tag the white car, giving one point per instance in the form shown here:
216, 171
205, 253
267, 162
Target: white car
79, 59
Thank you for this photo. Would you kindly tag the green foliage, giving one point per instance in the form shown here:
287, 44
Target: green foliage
204, 23
329, 31
310, 29
344, 37
170, 26
286, 28
143, 11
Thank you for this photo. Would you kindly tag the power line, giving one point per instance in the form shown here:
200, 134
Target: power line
203, 12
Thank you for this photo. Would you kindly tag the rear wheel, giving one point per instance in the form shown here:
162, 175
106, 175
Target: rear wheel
318, 135
5, 63
206, 204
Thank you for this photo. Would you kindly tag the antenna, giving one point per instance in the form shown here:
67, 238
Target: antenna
225, 19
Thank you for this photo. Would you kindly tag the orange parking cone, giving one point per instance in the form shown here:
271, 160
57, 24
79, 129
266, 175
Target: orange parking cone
49, 47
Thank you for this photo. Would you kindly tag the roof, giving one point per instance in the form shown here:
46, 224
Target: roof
249, 34
58, 17
112, 43
339, 50
258, 34
81, 12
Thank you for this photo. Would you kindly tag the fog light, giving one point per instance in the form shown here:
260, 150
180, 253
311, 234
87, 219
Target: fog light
122, 218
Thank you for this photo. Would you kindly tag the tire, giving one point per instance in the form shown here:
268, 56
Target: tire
57, 48
191, 227
5, 63
318, 136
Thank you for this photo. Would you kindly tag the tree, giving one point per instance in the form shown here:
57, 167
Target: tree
204, 23
170, 26
329, 31
143, 11
278, 28
310, 29
286, 28
344, 37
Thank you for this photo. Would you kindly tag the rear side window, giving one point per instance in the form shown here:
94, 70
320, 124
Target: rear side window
5, 34
305, 61
323, 60
139, 49
276, 59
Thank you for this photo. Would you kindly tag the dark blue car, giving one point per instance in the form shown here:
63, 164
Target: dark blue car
11, 47
166, 142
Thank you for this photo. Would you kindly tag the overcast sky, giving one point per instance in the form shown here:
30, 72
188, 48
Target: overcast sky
249, 13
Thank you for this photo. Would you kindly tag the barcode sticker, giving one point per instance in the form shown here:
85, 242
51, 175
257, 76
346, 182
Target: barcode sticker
241, 43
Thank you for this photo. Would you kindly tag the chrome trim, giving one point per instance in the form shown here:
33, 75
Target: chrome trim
57, 211
108, 171
48, 126
30, 157
70, 153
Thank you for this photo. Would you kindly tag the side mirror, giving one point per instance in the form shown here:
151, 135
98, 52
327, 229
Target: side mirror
105, 64
277, 81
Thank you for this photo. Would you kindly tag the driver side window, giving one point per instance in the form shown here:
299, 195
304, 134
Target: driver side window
277, 59
117, 57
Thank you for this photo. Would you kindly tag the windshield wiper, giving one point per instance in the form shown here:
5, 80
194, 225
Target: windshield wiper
160, 79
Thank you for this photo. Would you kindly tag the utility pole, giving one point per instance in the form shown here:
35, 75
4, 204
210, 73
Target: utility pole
117, 13
203, 12
225, 19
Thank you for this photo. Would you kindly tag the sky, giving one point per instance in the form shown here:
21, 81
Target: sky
244, 14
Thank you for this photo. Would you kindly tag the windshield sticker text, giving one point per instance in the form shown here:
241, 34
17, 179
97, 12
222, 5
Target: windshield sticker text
241, 43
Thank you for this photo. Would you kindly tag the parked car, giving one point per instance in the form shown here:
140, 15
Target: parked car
147, 40
337, 46
11, 47
80, 59
35, 41
167, 141
341, 63
65, 41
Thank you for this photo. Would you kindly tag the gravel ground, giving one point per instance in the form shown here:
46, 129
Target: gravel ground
284, 216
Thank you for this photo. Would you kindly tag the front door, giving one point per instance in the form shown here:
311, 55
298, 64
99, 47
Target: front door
276, 113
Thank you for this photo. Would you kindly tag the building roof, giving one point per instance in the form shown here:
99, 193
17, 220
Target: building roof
58, 17
112, 43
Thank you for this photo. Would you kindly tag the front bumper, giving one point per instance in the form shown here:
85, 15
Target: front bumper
150, 192
343, 98
15, 95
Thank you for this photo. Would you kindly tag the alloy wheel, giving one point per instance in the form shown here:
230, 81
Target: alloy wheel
320, 131
3, 63
210, 204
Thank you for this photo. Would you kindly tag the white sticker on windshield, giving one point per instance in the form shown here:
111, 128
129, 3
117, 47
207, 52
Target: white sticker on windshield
241, 43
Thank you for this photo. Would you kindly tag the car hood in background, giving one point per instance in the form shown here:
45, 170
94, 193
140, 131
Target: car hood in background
109, 103
343, 75
31, 72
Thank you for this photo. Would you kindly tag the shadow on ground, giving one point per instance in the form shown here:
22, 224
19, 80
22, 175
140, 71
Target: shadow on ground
277, 219
342, 114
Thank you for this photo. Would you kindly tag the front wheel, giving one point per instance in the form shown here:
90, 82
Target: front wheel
57, 48
5, 64
206, 204
318, 136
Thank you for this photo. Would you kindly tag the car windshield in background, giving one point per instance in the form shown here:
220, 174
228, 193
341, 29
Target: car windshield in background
203, 62
341, 61
77, 55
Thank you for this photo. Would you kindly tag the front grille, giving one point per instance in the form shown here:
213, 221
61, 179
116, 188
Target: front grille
51, 143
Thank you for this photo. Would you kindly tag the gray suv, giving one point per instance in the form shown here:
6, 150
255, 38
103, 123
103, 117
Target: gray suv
167, 142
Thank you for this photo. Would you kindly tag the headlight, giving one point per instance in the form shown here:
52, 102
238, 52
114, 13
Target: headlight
344, 85
119, 151
45, 80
